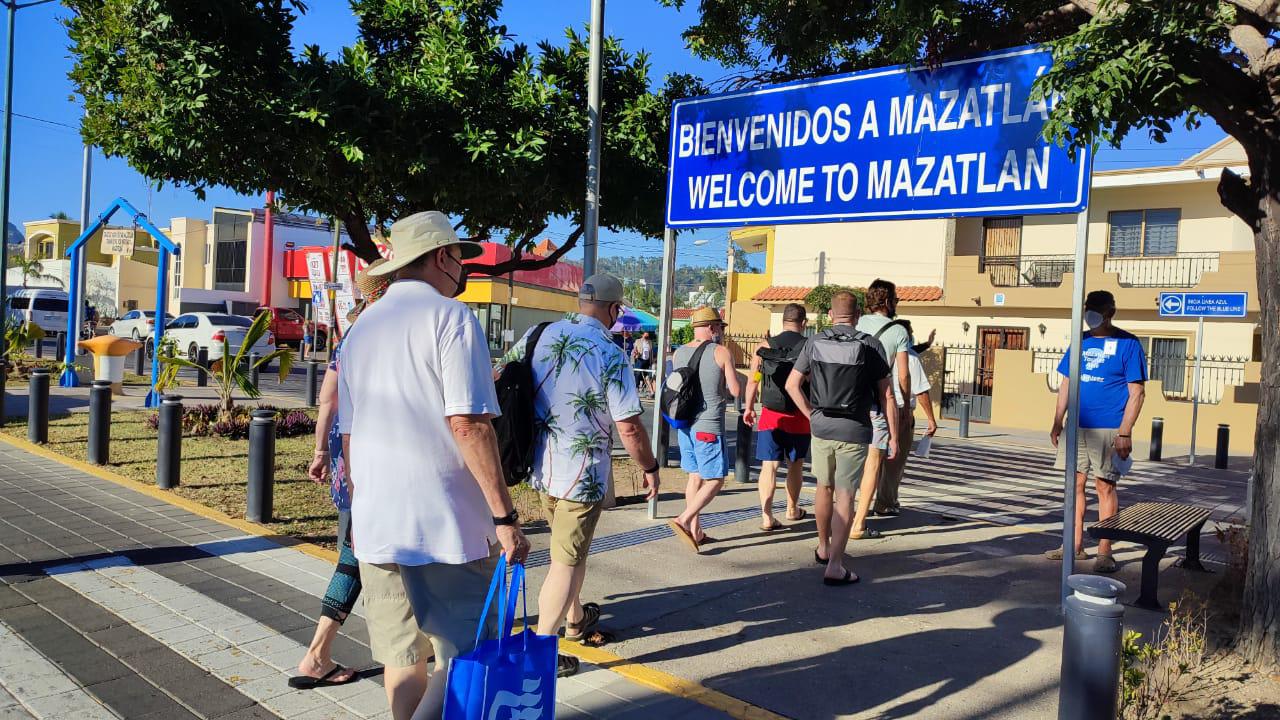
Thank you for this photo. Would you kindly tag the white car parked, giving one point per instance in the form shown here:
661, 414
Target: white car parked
136, 324
192, 331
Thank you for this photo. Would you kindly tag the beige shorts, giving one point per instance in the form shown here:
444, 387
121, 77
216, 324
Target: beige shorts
838, 464
573, 525
1093, 458
394, 637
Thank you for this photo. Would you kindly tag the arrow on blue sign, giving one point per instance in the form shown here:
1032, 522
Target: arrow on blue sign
1171, 304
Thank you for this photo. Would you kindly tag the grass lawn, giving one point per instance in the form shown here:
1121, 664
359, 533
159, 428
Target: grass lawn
214, 472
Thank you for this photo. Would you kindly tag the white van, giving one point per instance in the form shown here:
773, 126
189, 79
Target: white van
46, 307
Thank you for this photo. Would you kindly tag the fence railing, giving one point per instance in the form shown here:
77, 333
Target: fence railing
743, 347
1028, 270
1182, 270
1175, 373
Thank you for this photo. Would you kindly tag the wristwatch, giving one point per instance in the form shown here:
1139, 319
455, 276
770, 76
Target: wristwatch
510, 518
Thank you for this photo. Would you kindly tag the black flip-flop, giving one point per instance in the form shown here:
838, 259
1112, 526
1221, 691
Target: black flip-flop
567, 665
867, 534
818, 558
803, 514
775, 526
306, 682
848, 579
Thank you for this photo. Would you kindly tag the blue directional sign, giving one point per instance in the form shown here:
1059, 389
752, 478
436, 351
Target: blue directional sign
1229, 305
962, 138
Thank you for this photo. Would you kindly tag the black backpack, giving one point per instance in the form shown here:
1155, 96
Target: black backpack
838, 385
682, 393
516, 427
775, 365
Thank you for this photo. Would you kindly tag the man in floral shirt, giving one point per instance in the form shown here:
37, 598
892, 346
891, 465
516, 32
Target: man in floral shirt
584, 386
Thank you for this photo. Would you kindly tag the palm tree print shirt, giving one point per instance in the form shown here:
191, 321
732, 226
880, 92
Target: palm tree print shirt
584, 384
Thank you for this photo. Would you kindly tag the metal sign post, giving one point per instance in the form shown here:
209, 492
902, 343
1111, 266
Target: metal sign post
1073, 403
660, 356
1201, 306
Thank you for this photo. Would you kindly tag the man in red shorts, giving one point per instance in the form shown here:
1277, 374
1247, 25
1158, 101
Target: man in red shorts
783, 432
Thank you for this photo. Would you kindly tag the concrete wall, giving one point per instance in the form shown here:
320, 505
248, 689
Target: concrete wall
1022, 398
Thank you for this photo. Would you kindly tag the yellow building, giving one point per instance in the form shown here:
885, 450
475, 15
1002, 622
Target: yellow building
49, 239
989, 284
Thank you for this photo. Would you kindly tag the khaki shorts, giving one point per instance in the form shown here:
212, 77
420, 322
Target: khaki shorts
573, 525
394, 637
838, 464
1093, 459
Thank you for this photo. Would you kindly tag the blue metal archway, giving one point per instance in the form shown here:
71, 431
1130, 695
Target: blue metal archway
76, 253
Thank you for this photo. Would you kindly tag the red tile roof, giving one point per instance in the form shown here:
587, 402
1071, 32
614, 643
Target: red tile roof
791, 293
681, 313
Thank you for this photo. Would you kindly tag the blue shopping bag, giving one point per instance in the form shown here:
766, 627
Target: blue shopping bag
512, 677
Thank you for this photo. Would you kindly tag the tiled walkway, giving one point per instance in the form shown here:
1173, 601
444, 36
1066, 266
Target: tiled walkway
117, 604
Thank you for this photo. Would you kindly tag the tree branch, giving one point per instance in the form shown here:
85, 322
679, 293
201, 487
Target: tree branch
1239, 196
361, 241
535, 263
1069, 14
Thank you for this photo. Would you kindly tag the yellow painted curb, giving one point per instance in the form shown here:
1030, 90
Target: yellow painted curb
190, 506
634, 672
668, 683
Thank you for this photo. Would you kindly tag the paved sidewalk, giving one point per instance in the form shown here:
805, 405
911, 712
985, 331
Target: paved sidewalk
115, 604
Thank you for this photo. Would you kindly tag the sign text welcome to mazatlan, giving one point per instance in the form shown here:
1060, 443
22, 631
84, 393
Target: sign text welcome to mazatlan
960, 139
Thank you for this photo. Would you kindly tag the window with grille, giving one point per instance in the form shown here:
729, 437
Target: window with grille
1143, 233
1167, 359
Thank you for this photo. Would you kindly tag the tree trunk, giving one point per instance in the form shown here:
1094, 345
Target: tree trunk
1259, 638
361, 244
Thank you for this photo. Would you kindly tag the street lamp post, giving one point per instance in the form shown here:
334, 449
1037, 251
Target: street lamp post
591, 218
6, 136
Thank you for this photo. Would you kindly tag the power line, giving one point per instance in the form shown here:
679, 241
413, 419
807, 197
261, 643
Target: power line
47, 121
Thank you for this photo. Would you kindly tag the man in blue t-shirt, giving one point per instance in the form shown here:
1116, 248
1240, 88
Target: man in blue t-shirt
1113, 370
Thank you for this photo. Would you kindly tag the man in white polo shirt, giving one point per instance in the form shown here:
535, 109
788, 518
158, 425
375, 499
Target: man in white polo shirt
416, 396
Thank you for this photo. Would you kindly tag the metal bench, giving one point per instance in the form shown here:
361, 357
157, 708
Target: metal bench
1157, 526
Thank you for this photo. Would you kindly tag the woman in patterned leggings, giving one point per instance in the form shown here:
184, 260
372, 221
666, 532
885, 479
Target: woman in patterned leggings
317, 668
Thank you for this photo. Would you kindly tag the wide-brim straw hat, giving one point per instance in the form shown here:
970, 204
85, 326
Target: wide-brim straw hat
705, 316
420, 233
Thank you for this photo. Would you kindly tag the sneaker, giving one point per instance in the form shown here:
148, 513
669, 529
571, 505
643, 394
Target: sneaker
1056, 554
1104, 564
567, 665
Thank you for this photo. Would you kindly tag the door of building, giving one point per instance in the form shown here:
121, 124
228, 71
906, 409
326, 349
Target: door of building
1002, 250
991, 339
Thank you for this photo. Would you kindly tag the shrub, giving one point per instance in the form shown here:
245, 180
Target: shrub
203, 421
1155, 676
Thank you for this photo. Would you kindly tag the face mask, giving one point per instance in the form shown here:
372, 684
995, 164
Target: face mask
460, 281
1093, 319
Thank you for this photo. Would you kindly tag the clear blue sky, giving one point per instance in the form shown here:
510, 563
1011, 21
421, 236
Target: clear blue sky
47, 151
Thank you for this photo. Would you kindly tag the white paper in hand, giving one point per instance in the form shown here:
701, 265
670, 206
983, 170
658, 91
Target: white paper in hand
922, 446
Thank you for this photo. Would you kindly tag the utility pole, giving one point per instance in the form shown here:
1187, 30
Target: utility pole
729, 281
86, 182
591, 218
822, 267
333, 294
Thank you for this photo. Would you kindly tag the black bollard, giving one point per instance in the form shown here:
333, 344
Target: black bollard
1092, 626
39, 347
140, 360
254, 375
742, 448
664, 442
62, 346
313, 376
202, 359
1224, 440
100, 422
38, 406
262, 466
169, 443
964, 418
1157, 438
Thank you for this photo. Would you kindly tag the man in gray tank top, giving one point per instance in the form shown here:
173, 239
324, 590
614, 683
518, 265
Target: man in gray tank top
702, 445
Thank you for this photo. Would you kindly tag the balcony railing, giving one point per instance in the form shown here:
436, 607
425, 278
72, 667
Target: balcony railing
1182, 270
1028, 270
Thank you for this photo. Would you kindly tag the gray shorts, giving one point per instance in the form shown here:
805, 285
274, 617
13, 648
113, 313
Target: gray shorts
1093, 457
838, 464
879, 430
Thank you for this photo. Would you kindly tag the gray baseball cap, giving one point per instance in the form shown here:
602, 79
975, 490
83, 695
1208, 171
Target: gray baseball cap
601, 287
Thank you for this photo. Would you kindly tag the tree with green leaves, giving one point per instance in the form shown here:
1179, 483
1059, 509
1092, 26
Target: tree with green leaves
433, 106
1120, 66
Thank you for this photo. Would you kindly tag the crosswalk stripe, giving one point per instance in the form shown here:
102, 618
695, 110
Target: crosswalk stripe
40, 688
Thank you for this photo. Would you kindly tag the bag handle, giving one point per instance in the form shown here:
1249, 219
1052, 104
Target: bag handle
506, 621
499, 581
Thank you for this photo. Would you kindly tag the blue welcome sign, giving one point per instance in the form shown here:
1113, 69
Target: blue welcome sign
964, 138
